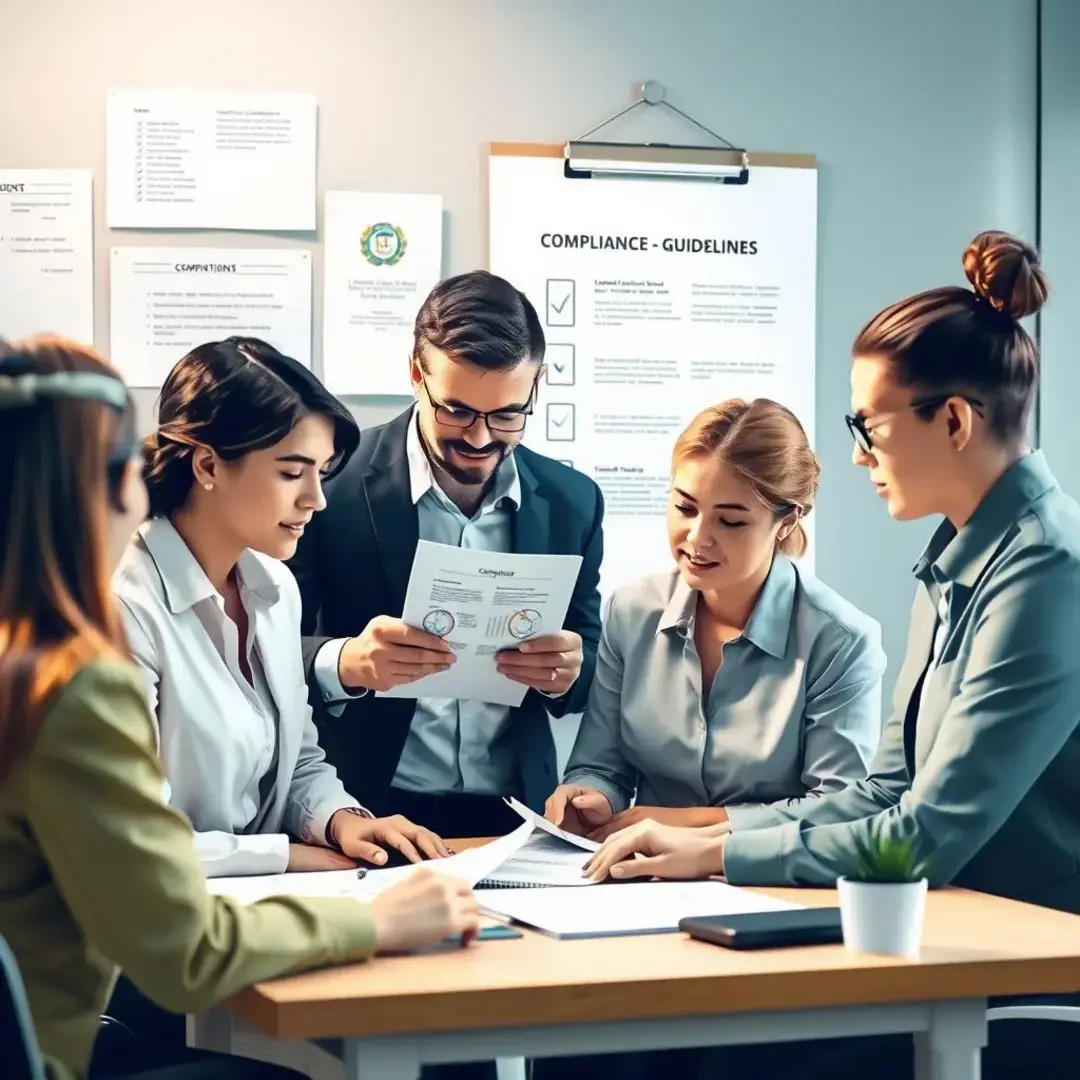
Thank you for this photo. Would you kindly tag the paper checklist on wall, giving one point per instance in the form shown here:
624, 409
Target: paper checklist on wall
165, 301
47, 253
480, 602
200, 159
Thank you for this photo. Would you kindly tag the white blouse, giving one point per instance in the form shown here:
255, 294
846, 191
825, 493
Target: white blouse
218, 734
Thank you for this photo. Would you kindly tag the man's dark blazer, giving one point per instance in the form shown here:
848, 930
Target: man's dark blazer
353, 564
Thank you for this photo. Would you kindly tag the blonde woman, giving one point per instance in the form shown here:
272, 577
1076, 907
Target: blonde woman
733, 680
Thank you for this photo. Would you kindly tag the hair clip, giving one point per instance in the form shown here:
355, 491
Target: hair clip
23, 391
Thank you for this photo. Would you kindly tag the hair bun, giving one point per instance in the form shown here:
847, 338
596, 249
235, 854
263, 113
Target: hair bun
1005, 272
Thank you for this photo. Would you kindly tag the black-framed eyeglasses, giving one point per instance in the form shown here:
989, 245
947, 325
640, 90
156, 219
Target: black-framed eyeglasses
462, 418
863, 435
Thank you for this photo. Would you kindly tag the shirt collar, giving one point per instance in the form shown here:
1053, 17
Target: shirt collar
769, 625
421, 480
184, 580
961, 556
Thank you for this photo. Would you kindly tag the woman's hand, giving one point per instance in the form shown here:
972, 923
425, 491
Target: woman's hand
669, 852
424, 909
685, 817
304, 858
361, 837
577, 809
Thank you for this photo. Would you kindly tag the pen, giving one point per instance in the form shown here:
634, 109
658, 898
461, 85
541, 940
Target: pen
361, 874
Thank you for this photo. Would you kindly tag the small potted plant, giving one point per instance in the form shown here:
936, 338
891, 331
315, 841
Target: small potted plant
883, 899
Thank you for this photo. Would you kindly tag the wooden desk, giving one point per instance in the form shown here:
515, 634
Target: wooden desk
538, 997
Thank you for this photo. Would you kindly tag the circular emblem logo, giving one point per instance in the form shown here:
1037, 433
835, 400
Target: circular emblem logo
383, 244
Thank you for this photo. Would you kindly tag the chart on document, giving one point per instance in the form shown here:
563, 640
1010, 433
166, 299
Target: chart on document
47, 253
165, 301
658, 298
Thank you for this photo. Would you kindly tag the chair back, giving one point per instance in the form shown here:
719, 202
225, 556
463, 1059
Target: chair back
20, 1058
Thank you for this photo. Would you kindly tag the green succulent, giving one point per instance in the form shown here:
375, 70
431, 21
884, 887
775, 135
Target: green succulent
887, 860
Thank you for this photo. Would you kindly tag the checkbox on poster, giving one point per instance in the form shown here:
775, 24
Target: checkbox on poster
560, 364
565, 461
560, 302
560, 422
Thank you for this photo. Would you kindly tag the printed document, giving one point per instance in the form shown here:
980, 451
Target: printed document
382, 256
199, 159
471, 866
165, 301
480, 602
47, 253
653, 907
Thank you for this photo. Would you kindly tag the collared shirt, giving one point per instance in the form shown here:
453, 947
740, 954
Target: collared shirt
452, 746
242, 760
794, 710
985, 786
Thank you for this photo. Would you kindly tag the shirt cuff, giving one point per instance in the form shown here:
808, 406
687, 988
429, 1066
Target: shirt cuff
743, 817
759, 856
619, 801
326, 674
227, 855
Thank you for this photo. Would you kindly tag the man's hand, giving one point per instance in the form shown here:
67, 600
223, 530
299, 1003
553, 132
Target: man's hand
307, 857
424, 909
550, 663
685, 817
577, 809
389, 653
670, 852
361, 838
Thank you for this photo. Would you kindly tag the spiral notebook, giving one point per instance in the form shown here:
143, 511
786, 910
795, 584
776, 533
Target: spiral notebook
544, 861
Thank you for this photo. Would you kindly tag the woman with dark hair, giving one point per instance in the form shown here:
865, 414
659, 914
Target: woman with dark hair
977, 768
96, 871
245, 439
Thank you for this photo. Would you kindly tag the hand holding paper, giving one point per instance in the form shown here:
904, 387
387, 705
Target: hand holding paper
480, 604
550, 663
388, 653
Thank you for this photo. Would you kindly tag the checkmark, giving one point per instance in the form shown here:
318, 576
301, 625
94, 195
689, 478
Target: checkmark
560, 301
560, 422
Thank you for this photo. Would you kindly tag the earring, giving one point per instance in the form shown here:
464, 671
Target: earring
208, 487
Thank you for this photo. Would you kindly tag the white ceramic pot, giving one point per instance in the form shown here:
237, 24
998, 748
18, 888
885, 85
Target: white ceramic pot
883, 917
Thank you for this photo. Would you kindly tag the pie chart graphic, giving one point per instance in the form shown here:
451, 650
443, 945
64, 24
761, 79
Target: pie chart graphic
524, 623
439, 622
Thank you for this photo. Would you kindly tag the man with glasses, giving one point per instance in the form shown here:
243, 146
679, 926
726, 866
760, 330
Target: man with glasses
450, 470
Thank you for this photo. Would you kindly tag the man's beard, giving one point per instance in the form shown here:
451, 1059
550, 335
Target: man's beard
478, 474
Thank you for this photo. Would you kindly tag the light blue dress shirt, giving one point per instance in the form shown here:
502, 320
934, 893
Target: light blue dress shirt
793, 712
452, 746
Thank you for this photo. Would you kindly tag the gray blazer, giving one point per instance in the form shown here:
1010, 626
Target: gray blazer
794, 712
980, 769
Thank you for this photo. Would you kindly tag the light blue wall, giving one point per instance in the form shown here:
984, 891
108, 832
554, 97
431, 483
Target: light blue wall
1060, 234
921, 113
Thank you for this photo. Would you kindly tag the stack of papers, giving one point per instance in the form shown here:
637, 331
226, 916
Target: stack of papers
632, 908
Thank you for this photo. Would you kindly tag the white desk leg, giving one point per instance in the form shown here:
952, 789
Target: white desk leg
952, 1048
211, 1030
376, 1059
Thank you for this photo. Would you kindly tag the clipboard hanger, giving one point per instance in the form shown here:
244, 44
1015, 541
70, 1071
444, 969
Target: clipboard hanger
586, 159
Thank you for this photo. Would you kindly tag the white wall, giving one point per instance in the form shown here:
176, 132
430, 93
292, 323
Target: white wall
922, 116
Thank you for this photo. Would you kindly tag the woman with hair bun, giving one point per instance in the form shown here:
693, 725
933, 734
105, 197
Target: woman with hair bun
734, 679
977, 768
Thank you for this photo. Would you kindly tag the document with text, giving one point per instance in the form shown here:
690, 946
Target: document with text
200, 159
383, 255
658, 298
165, 301
47, 253
652, 907
481, 602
